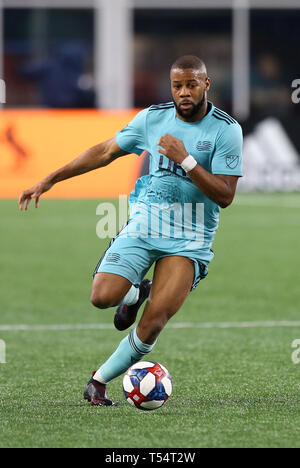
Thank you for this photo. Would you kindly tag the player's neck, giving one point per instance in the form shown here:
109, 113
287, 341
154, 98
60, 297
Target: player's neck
199, 116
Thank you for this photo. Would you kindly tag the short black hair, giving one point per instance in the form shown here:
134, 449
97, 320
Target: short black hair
189, 61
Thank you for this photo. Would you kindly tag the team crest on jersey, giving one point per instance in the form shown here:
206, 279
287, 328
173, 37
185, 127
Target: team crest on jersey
204, 145
232, 161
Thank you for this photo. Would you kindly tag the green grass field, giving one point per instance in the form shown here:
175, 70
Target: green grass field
234, 386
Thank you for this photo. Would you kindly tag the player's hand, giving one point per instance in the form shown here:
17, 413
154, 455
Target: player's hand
34, 193
173, 148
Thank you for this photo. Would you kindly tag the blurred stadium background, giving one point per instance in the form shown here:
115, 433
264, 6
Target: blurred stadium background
96, 56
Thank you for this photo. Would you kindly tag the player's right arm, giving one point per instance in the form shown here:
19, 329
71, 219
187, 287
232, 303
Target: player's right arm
98, 156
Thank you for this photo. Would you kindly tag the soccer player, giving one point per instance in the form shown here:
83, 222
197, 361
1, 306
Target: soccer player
196, 160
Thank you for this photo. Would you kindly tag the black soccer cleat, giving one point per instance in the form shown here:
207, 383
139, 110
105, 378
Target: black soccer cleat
95, 393
125, 315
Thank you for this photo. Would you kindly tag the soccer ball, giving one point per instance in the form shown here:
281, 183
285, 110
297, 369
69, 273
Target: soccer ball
147, 385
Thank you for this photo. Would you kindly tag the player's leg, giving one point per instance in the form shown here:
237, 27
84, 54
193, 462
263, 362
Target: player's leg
116, 280
109, 289
172, 282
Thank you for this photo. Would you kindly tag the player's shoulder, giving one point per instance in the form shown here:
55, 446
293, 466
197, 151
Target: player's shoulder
223, 118
157, 114
226, 126
163, 107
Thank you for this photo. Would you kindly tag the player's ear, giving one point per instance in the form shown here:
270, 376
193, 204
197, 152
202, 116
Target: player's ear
207, 83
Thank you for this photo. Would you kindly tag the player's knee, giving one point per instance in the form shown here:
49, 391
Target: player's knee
101, 298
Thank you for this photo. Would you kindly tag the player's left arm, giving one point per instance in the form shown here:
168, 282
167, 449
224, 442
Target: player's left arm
220, 184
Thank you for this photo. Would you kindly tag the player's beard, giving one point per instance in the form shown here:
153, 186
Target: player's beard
193, 111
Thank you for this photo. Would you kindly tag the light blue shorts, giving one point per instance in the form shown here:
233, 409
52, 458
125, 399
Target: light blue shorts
132, 258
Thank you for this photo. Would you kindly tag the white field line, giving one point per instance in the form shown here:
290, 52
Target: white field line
175, 325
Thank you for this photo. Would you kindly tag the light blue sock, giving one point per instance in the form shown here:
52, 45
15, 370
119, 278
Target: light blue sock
131, 297
130, 350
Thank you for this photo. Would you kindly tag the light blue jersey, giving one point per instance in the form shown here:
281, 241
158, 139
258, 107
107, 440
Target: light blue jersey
215, 141
166, 207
